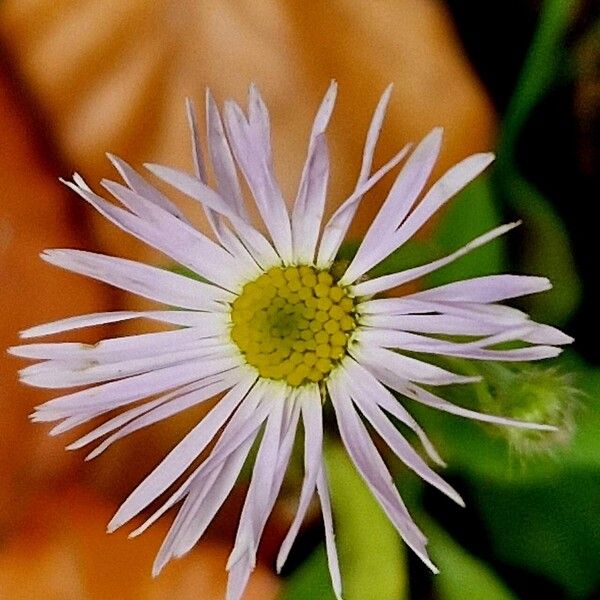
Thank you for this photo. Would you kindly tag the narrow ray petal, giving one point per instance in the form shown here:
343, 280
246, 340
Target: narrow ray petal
330, 549
386, 282
139, 185
373, 470
401, 198
150, 282
173, 317
401, 448
363, 378
175, 463
313, 441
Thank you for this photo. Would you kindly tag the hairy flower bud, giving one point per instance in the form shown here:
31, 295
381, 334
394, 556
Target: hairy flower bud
537, 395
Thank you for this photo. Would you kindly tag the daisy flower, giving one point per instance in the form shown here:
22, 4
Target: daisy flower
276, 328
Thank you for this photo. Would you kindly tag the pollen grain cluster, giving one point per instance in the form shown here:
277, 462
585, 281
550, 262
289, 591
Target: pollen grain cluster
293, 323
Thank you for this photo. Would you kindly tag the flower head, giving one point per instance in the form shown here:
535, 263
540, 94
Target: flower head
277, 329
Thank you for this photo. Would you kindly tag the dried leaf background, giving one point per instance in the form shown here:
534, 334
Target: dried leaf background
112, 75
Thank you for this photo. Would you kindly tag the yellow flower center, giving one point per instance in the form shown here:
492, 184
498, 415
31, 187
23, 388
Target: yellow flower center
293, 323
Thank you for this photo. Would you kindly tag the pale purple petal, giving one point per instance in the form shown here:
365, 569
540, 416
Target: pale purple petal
337, 226
162, 411
65, 374
401, 448
150, 213
376, 392
332, 557
310, 400
247, 420
406, 366
490, 288
173, 317
373, 135
256, 243
387, 338
150, 282
445, 188
228, 184
125, 417
181, 457
401, 198
427, 398
254, 159
489, 313
171, 236
115, 394
197, 157
372, 469
386, 282
310, 199
257, 505
131, 346
139, 185
310, 202
205, 496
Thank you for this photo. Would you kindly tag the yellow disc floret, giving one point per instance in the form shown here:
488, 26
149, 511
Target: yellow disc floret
293, 323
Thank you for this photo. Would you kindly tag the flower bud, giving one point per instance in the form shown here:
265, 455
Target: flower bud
536, 395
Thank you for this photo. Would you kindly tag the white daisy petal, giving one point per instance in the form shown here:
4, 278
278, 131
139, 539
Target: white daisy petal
427, 398
173, 317
405, 305
156, 284
197, 157
402, 449
387, 338
400, 200
490, 288
164, 410
257, 505
373, 470
338, 224
204, 498
175, 463
112, 350
332, 557
310, 199
125, 417
373, 136
310, 202
445, 188
139, 185
247, 420
386, 282
310, 401
114, 394
256, 243
255, 163
373, 391
174, 238
407, 367
228, 184
59, 374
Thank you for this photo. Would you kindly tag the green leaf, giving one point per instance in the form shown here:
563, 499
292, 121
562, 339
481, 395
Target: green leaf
460, 571
542, 67
547, 248
552, 528
310, 580
372, 556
